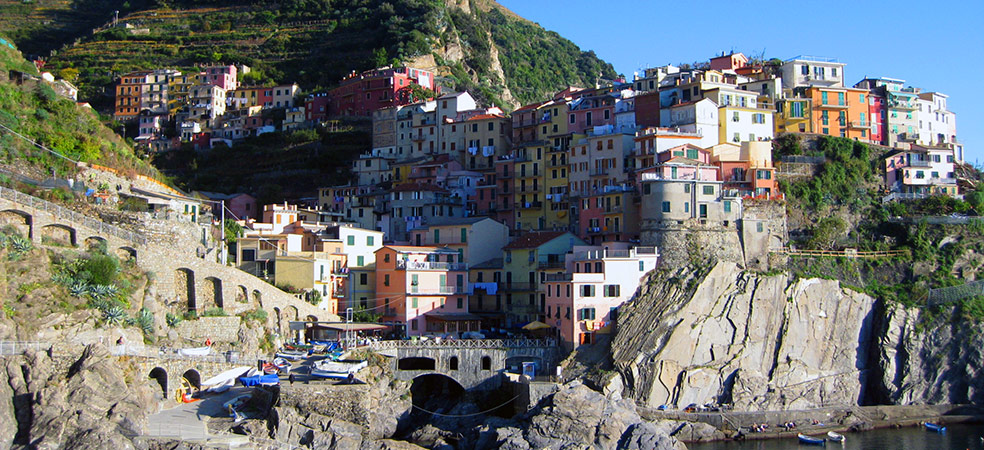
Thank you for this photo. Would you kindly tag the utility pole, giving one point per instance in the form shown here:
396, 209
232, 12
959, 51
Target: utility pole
222, 247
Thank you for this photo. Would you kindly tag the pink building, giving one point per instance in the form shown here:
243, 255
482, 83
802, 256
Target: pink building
224, 77
876, 111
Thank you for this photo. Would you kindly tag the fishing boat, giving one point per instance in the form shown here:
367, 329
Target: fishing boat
235, 404
225, 380
279, 365
195, 351
292, 355
836, 437
256, 380
810, 440
340, 369
934, 427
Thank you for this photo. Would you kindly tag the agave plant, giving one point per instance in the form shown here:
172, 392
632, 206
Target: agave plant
21, 244
63, 279
145, 320
78, 289
172, 320
102, 291
114, 315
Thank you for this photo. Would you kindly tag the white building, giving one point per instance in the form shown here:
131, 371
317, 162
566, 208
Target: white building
584, 301
700, 117
739, 124
937, 124
805, 71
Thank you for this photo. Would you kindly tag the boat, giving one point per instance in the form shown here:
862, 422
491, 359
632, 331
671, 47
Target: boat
277, 366
934, 427
340, 369
225, 380
256, 380
236, 403
195, 351
836, 437
810, 440
292, 355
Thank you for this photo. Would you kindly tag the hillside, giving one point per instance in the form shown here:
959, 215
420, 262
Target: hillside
477, 45
33, 110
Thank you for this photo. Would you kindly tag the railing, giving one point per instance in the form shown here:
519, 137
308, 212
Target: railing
430, 265
74, 217
11, 348
847, 253
559, 277
599, 172
161, 353
465, 343
903, 196
518, 286
440, 290
550, 265
919, 163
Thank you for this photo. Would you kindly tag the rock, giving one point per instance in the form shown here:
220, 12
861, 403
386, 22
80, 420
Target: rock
759, 342
697, 432
649, 436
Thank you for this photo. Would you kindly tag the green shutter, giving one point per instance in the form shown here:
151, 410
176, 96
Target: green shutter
437, 236
464, 235
360, 261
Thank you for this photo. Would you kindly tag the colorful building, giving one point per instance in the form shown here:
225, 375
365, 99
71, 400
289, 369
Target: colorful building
359, 94
526, 261
424, 290
583, 302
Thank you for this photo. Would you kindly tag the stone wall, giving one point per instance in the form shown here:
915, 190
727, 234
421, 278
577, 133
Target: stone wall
217, 329
470, 373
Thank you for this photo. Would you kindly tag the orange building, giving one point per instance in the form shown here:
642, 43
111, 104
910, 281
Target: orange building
840, 112
424, 289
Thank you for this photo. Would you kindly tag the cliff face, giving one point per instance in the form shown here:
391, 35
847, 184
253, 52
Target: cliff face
770, 342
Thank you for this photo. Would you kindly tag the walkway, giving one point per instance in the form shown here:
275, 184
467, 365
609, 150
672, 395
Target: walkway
188, 421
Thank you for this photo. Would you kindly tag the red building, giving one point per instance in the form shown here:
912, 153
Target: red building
316, 107
360, 94
876, 111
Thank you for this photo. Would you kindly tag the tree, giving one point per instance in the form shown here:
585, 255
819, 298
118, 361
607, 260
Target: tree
827, 232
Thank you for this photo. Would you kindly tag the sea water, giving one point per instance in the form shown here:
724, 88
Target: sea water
956, 437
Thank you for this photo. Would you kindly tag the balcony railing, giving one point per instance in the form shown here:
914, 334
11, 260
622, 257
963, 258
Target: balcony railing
860, 124
559, 277
919, 163
550, 265
602, 172
430, 265
531, 205
439, 290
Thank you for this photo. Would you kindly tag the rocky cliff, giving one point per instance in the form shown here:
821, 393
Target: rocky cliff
761, 342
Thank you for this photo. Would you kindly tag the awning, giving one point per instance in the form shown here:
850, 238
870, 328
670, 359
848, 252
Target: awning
451, 317
535, 325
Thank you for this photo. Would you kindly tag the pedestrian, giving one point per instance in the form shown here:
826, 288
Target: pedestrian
290, 378
119, 341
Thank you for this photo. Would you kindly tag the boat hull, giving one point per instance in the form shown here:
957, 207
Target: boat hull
807, 440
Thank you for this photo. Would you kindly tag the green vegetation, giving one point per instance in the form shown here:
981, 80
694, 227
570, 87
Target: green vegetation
69, 131
255, 315
17, 244
214, 312
172, 320
844, 180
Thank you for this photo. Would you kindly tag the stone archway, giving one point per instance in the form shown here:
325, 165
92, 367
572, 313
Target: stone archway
184, 287
258, 298
58, 234
433, 390
193, 377
127, 253
20, 220
212, 293
160, 375
95, 244
242, 294
291, 313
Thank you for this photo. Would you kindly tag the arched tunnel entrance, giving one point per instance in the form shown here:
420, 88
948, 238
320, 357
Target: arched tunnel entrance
435, 391
440, 402
160, 376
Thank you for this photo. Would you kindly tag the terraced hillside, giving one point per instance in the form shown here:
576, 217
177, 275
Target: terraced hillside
478, 44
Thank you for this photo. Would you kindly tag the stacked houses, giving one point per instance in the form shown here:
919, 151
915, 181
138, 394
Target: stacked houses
462, 218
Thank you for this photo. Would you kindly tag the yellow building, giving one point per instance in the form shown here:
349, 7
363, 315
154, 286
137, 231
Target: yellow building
529, 186
794, 115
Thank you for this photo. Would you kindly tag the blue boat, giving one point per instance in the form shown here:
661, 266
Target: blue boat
808, 440
934, 427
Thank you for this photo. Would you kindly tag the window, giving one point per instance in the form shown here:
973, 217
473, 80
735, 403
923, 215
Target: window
413, 302
360, 261
612, 290
686, 188
758, 118
386, 280
642, 266
861, 98
437, 236
413, 322
491, 126
763, 174
587, 290
351, 240
686, 207
666, 206
840, 98
804, 70
370, 240
734, 117
572, 118
692, 153
363, 279
708, 190
461, 303
386, 257
759, 227
586, 314
823, 98
486, 363
727, 209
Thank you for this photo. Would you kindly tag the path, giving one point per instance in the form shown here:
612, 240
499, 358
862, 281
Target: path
188, 420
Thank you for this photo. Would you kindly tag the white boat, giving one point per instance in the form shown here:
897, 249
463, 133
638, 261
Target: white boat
225, 380
292, 355
836, 437
196, 351
337, 369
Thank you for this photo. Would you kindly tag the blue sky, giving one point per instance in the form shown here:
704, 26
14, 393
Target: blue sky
932, 45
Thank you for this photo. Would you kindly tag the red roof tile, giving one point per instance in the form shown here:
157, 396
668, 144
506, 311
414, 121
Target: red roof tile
486, 116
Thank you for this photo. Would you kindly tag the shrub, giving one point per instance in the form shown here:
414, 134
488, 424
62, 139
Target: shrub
214, 312
190, 315
114, 315
172, 320
103, 269
145, 320
255, 315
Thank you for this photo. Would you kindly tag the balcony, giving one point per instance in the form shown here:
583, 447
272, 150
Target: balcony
431, 265
559, 277
909, 137
550, 265
530, 174
919, 163
860, 124
531, 205
615, 209
518, 287
600, 172
439, 290
528, 189
418, 138
897, 104
833, 105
